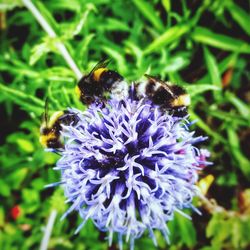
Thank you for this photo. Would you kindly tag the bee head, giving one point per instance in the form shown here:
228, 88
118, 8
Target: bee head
54, 144
44, 130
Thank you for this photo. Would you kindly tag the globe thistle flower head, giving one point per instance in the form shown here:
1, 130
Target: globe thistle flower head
129, 166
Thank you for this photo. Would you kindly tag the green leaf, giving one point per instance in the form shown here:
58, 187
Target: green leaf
25, 145
214, 224
84, 48
115, 24
30, 196
47, 45
242, 107
17, 177
239, 15
2, 217
149, 13
228, 179
6, 5
223, 65
237, 232
28, 102
167, 5
118, 57
187, 231
84, 16
206, 128
170, 35
5, 188
213, 71
208, 37
61, 5
212, 68
228, 117
242, 162
196, 89
57, 201
177, 62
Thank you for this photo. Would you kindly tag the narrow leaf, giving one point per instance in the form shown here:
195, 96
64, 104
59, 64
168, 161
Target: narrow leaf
242, 107
206, 128
243, 162
26, 101
167, 37
213, 71
196, 89
149, 13
212, 68
206, 36
222, 66
20, 95
239, 15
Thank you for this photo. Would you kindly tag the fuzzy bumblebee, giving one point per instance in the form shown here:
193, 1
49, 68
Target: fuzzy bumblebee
101, 84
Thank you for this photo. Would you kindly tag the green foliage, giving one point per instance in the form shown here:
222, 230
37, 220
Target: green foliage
202, 45
228, 230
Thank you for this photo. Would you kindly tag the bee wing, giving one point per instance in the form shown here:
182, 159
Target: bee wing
101, 64
153, 78
164, 84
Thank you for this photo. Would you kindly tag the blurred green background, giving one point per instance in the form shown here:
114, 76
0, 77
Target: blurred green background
202, 45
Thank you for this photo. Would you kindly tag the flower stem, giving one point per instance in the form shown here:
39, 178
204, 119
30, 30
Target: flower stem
60, 46
210, 204
48, 230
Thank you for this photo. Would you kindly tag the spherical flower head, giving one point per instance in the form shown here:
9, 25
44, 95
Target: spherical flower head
129, 166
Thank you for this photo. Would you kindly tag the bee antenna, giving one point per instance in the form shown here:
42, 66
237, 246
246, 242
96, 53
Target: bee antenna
103, 63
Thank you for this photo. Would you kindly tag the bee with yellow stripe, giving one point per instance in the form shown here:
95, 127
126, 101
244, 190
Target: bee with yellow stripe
50, 130
168, 96
95, 86
99, 83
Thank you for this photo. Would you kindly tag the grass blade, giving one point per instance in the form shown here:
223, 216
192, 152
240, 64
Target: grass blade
213, 71
239, 15
243, 162
196, 89
200, 123
242, 108
226, 63
26, 101
208, 37
170, 35
149, 13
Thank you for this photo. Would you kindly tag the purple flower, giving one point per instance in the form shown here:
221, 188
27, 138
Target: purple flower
129, 166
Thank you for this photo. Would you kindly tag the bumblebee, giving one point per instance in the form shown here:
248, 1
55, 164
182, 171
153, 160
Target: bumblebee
99, 83
50, 130
169, 97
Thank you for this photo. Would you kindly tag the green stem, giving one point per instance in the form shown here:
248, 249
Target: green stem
60, 46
